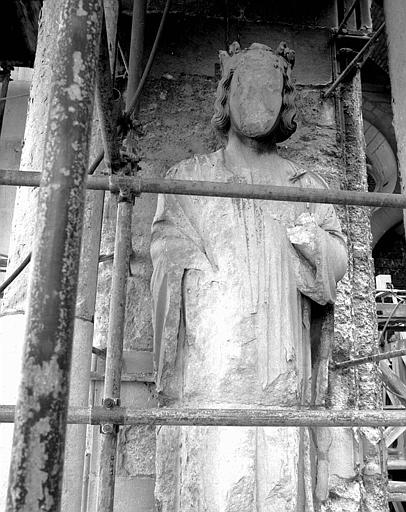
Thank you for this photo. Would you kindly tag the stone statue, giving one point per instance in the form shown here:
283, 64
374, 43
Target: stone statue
233, 284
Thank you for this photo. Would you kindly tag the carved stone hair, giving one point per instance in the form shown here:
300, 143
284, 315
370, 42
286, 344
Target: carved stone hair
229, 62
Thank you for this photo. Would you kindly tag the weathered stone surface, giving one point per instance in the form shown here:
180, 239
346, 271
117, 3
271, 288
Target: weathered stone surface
231, 287
356, 334
136, 451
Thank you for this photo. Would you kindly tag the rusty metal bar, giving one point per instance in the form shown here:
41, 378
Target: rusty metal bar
105, 105
346, 17
219, 189
112, 383
122, 251
26, 261
370, 359
40, 427
15, 274
354, 61
262, 417
75, 445
5, 80
76, 476
26, 95
136, 50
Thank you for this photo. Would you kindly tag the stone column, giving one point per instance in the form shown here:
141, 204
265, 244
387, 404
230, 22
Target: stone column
12, 319
395, 16
356, 478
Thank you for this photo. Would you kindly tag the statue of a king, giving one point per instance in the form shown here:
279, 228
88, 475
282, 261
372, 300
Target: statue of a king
233, 286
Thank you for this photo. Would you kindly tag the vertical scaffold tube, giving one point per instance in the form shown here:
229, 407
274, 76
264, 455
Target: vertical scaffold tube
122, 250
35, 481
76, 477
136, 50
115, 337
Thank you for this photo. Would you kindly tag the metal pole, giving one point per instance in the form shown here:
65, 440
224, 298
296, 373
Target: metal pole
354, 61
136, 50
132, 102
122, 251
369, 359
219, 189
82, 351
105, 105
35, 481
112, 383
15, 274
263, 417
5, 80
7, 98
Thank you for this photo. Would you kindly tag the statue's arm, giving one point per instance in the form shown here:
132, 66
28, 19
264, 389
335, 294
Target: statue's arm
321, 247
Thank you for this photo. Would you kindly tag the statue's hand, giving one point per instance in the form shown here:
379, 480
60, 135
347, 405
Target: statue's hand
303, 236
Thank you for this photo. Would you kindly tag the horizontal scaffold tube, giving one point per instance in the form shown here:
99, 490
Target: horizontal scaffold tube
288, 417
219, 189
370, 359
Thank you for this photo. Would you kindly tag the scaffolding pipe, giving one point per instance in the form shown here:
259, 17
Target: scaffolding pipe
262, 417
82, 351
75, 468
218, 189
112, 382
370, 359
122, 251
105, 104
354, 61
97, 205
40, 427
75, 481
5, 80
15, 273
136, 50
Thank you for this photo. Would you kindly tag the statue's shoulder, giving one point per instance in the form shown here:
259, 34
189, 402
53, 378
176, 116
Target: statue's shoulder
305, 178
199, 167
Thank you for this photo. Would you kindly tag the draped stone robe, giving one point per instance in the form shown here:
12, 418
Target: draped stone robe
231, 300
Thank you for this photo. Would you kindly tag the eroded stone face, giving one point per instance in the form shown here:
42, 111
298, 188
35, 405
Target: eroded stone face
232, 288
256, 95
